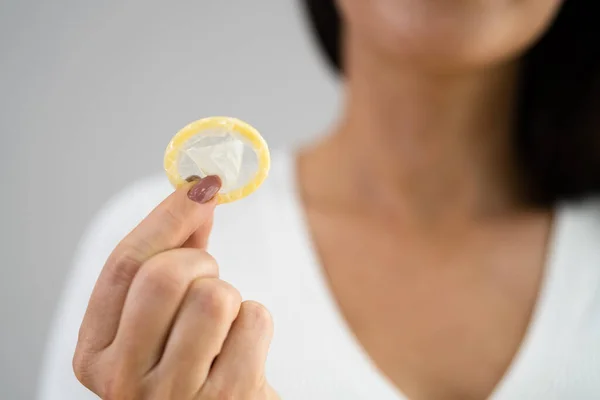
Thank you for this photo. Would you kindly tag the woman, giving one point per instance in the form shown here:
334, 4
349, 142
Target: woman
442, 243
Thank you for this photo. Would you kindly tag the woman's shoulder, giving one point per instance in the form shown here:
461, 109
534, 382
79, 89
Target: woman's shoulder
578, 226
573, 273
575, 246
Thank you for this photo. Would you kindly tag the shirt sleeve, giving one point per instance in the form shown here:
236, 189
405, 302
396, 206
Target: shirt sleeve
116, 219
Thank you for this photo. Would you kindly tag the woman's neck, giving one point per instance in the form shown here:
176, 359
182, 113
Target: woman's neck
425, 144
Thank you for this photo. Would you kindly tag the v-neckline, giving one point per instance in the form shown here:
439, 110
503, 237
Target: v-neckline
538, 321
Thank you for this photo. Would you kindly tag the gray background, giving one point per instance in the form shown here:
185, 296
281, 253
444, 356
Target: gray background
90, 94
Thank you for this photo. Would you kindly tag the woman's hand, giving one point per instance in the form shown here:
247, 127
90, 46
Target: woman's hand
160, 323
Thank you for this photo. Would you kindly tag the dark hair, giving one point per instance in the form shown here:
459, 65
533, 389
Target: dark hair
557, 132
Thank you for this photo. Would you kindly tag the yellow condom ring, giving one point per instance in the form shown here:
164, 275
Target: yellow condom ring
251, 136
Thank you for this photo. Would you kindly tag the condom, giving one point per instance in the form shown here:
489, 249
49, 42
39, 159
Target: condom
223, 146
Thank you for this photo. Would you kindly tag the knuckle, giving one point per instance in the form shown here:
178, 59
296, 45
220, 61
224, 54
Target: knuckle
199, 259
207, 260
122, 265
110, 381
159, 277
256, 315
82, 367
215, 298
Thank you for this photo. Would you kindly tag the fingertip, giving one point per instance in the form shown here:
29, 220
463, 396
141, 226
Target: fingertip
254, 315
204, 190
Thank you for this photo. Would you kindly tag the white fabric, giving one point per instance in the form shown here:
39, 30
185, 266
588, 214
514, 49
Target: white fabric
263, 249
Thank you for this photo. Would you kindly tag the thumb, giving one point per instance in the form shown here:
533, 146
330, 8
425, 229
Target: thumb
203, 190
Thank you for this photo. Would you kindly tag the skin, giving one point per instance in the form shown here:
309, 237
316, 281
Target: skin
159, 315
413, 202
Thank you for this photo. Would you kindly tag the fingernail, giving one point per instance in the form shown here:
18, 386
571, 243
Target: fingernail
193, 178
206, 188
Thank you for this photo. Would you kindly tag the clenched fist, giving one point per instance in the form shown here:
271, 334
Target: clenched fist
160, 323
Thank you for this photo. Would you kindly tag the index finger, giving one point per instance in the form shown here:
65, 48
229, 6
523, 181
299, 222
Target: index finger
177, 220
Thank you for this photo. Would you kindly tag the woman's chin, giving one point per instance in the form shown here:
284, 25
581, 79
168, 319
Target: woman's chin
449, 38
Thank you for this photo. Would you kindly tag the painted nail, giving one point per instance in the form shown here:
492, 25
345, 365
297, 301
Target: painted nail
205, 189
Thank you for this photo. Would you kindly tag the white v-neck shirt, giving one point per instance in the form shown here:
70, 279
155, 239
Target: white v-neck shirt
263, 248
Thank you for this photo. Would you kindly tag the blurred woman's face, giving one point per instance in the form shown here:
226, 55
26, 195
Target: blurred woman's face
448, 33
